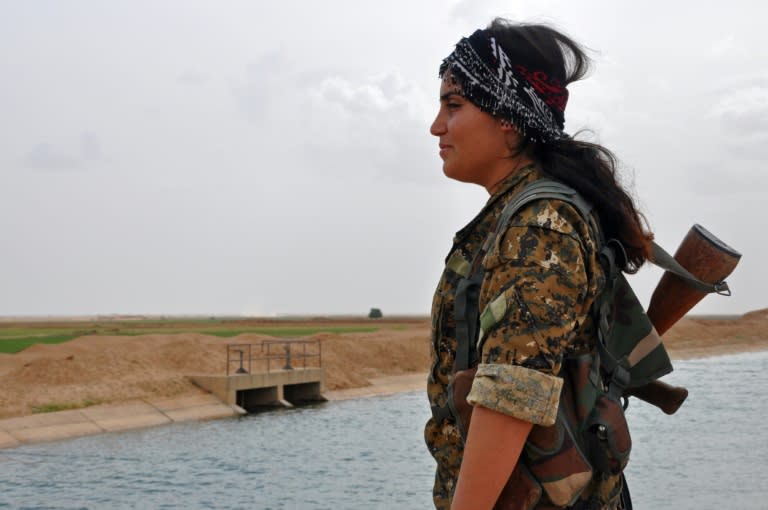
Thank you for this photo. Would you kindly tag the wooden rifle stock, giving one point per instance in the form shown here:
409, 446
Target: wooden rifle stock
666, 397
711, 261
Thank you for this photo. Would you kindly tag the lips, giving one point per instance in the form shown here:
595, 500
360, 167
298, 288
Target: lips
444, 149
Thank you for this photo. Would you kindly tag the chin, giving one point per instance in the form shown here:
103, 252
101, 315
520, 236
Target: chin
452, 173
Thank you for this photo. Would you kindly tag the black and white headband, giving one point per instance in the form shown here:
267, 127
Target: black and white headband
528, 98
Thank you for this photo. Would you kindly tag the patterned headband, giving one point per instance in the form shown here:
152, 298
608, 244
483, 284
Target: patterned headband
531, 100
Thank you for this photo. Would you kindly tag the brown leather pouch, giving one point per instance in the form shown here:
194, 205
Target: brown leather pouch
555, 459
458, 389
521, 492
607, 436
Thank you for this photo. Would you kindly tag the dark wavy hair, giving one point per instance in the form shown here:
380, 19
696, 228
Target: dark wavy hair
589, 168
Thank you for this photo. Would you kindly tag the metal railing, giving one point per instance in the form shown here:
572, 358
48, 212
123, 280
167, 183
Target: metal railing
272, 355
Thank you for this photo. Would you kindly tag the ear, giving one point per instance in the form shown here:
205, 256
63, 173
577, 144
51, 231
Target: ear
507, 126
510, 133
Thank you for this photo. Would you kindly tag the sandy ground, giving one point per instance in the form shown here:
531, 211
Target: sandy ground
114, 369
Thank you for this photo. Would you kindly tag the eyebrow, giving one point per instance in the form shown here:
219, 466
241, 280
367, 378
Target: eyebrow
447, 95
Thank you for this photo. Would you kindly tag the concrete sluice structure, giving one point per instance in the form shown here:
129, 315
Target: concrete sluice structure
256, 392
254, 385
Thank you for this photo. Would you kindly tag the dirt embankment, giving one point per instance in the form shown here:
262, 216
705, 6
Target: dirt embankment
699, 337
101, 369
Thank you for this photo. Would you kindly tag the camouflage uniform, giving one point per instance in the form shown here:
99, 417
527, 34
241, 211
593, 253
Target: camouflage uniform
541, 278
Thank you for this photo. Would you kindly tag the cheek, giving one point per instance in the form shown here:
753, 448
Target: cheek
492, 139
479, 145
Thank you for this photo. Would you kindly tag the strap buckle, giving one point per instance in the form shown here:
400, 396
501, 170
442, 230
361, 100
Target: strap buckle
620, 378
721, 288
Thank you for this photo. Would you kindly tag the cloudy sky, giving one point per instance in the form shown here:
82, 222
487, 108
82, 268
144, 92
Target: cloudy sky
250, 157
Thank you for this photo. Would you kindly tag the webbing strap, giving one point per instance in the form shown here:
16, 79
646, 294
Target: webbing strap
665, 261
617, 370
467, 316
440, 413
542, 189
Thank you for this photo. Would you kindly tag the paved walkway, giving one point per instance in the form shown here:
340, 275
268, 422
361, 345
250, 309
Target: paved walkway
112, 417
388, 385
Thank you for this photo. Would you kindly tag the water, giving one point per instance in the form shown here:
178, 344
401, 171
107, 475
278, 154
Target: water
369, 454
714, 452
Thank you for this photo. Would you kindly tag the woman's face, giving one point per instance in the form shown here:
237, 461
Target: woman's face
474, 146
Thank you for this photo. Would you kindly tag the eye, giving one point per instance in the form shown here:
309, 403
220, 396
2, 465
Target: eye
453, 105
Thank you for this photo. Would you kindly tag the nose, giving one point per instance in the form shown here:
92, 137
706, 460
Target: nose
438, 126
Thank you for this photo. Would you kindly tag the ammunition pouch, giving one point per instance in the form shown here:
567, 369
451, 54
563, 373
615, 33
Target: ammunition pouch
598, 414
607, 436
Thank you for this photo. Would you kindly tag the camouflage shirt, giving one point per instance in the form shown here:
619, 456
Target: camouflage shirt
541, 278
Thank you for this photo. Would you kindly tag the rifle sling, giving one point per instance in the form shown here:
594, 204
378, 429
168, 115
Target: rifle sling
665, 261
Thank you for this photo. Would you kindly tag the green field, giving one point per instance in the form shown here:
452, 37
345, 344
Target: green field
15, 337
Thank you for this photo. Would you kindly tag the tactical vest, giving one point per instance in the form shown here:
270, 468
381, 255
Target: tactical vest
591, 432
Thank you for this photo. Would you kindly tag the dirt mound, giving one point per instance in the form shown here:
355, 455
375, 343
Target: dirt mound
697, 337
351, 360
760, 315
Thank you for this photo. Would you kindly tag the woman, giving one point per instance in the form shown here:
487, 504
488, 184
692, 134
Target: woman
500, 125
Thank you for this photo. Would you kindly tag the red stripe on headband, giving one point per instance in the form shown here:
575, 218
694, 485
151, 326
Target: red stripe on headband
550, 90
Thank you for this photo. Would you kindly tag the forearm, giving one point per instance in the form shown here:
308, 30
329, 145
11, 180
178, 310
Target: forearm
493, 447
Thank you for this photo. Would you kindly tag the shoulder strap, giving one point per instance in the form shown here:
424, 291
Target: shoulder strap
542, 189
466, 314
538, 190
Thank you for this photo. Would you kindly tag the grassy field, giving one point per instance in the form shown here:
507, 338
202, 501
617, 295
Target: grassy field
63, 406
17, 336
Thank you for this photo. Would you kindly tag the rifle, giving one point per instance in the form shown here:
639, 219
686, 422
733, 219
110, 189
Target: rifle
706, 258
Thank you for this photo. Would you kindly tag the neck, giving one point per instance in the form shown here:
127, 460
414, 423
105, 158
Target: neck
517, 163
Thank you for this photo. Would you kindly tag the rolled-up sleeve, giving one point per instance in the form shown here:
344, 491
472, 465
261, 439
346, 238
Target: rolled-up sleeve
534, 298
517, 391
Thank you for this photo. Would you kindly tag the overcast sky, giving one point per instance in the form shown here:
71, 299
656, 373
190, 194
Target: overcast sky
274, 157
